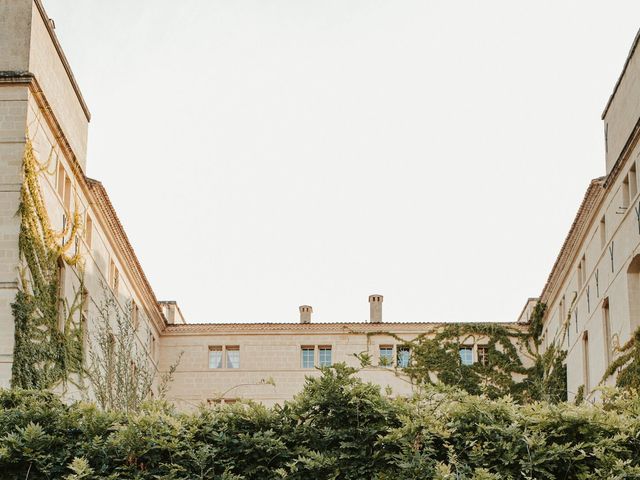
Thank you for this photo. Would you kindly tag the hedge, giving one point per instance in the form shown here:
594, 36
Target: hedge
338, 427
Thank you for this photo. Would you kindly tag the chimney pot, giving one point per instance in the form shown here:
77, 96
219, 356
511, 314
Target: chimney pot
305, 313
375, 308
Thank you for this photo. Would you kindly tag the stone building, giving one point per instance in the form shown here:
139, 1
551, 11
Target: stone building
593, 291
595, 282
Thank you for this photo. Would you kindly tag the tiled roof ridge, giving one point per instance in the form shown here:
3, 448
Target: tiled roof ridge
109, 211
575, 232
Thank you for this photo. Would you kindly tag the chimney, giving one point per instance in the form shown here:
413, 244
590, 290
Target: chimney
305, 313
375, 308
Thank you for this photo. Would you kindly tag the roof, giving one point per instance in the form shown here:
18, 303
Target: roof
624, 70
106, 207
572, 241
307, 328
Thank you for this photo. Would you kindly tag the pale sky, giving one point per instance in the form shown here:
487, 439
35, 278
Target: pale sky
271, 153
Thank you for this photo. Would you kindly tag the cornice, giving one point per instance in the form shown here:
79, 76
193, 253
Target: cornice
592, 198
309, 328
114, 227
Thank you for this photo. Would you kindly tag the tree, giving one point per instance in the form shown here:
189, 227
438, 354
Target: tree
120, 368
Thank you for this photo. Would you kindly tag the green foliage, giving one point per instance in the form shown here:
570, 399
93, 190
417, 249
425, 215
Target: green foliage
119, 368
627, 365
337, 428
435, 359
48, 340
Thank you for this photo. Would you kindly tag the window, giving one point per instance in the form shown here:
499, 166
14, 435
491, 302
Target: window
606, 329
483, 355
134, 316
84, 322
61, 175
67, 193
404, 355
61, 292
233, 356
114, 277
603, 233
633, 182
466, 355
562, 311
307, 357
88, 231
582, 274
221, 401
215, 356
324, 356
625, 193
386, 355
633, 292
585, 362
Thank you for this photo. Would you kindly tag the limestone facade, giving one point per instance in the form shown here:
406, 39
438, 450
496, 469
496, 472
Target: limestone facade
40, 100
593, 291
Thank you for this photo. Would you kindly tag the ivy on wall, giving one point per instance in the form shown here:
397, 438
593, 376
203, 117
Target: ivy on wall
48, 339
627, 365
435, 358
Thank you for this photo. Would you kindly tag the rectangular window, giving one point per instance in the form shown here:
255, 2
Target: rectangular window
88, 231
215, 356
386, 355
606, 328
61, 294
307, 357
114, 277
404, 356
582, 274
585, 362
134, 316
562, 312
67, 193
633, 182
61, 175
625, 193
603, 233
233, 356
324, 356
483, 355
84, 323
466, 355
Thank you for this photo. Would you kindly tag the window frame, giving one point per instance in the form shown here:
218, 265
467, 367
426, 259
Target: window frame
482, 359
215, 348
228, 361
465, 348
322, 362
401, 361
307, 348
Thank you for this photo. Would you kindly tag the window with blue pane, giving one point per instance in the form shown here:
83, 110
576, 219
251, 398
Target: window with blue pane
386, 355
215, 356
324, 356
404, 355
307, 357
233, 357
466, 355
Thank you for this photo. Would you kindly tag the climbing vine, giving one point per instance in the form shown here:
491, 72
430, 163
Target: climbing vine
435, 358
48, 338
627, 365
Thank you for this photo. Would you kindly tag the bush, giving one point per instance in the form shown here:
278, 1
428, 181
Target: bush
337, 428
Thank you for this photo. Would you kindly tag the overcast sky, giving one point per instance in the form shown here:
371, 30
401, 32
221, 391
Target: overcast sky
271, 153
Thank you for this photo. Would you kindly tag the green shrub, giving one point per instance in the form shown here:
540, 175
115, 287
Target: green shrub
337, 428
